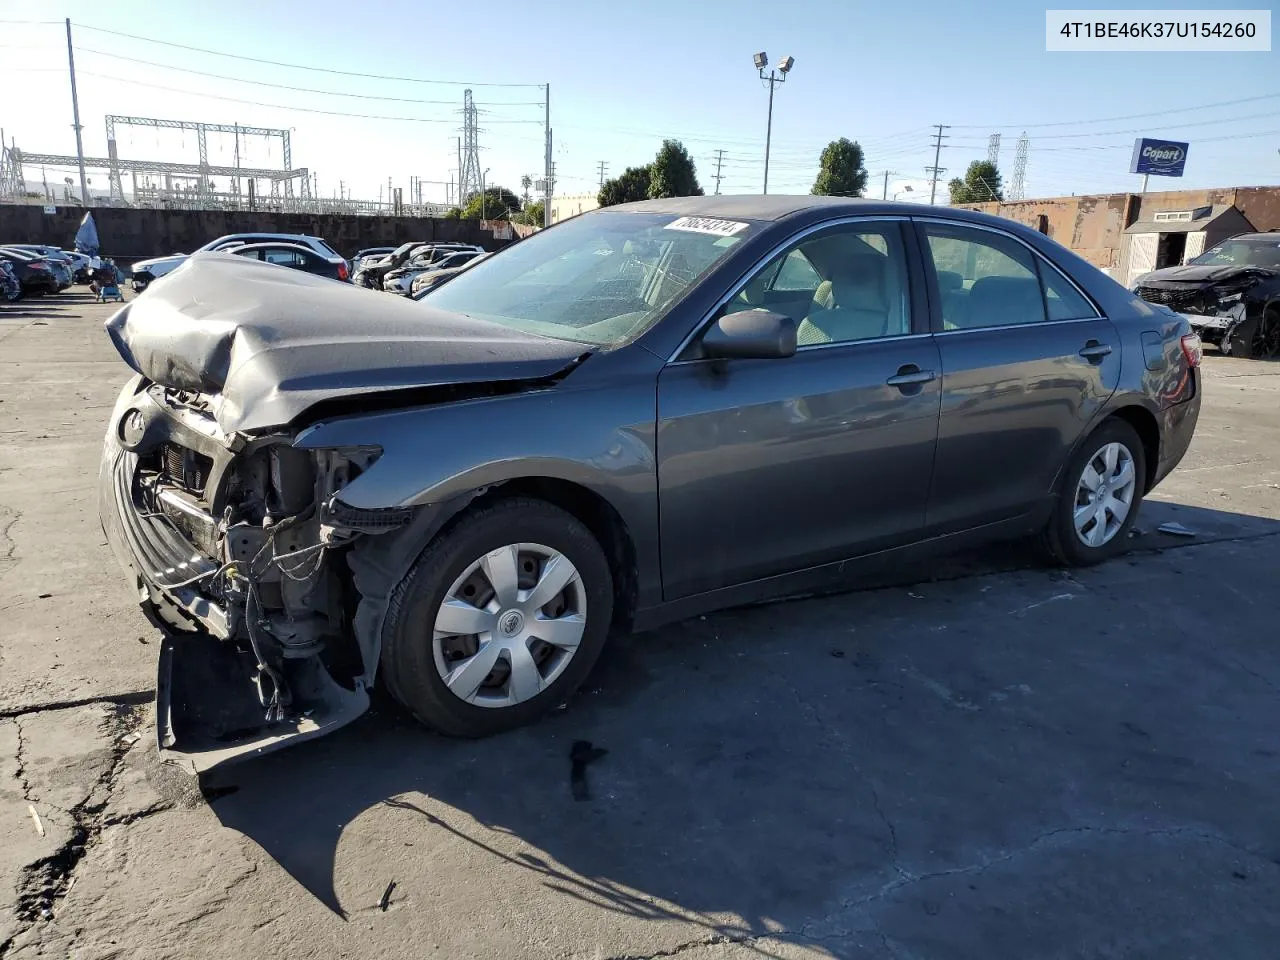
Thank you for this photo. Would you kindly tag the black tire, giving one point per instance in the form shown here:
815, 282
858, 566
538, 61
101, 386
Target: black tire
1256, 339
408, 664
1059, 537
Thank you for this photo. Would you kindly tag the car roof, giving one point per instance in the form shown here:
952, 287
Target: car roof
1272, 237
779, 207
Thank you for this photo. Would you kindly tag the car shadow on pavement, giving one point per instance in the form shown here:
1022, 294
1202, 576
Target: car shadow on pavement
792, 764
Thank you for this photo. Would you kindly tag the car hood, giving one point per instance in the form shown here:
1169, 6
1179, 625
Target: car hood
1202, 273
269, 343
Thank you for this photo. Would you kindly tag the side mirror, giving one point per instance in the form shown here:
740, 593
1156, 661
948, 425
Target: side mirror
751, 334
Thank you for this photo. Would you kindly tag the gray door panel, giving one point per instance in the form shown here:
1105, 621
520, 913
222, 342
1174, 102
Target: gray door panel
1014, 401
767, 466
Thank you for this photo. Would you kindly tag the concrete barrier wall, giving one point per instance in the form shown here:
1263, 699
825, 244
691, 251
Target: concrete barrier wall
128, 234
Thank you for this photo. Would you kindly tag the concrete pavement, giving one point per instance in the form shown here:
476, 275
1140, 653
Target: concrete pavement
982, 758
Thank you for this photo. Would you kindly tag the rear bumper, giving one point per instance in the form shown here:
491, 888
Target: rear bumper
1177, 429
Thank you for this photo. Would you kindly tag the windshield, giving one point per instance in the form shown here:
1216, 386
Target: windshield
601, 278
1243, 253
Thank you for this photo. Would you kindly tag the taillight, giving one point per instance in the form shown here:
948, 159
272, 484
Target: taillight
342, 271
38, 266
1192, 349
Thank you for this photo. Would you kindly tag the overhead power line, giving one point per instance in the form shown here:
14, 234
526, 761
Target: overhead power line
282, 86
283, 106
299, 66
1195, 123
1130, 116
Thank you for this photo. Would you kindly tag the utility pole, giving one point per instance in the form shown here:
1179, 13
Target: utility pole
936, 171
75, 113
604, 166
719, 161
884, 194
546, 201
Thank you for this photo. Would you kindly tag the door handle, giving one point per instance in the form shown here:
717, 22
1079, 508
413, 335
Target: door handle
1093, 351
910, 375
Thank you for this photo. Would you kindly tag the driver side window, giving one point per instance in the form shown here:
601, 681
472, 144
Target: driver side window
844, 284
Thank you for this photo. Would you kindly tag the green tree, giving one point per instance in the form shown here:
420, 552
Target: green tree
631, 185
453, 213
532, 214
840, 172
672, 173
981, 183
499, 203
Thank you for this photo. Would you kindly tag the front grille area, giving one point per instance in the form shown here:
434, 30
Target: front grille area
186, 468
1183, 300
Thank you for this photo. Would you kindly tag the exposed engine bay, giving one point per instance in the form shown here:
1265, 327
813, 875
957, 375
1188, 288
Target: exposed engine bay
267, 581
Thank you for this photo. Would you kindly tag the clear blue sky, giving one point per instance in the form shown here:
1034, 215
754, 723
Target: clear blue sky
622, 77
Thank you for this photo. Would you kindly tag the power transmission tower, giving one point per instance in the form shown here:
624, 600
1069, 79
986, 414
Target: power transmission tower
469, 151
935, 172
993, 149
1018, 186
604, 166
719, 161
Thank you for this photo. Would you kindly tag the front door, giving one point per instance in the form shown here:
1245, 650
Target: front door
1027, 361
769, 466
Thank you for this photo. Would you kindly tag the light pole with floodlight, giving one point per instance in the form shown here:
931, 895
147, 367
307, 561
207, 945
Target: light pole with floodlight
906, 189
775, 77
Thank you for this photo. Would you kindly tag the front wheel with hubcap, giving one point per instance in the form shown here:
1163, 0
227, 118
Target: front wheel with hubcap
1100, 496
499, 620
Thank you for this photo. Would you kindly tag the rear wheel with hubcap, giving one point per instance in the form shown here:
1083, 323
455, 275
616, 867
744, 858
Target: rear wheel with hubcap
1100, 496
499, 620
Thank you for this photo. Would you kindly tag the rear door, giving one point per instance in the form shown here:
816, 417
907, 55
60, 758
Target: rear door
770, 466
1027, 362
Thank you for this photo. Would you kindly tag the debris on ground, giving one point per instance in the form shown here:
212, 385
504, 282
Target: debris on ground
1177, 529
386, 897
131, 738
35, 818
582, 753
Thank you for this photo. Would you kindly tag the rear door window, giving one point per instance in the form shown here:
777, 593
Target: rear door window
985, 279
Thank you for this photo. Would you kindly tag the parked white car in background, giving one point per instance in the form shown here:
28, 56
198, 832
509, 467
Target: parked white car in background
144, 271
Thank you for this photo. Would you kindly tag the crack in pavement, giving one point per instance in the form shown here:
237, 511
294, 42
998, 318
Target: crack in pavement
22, 766
47, 880
713, 941
1044, 839
844, 746
130, 698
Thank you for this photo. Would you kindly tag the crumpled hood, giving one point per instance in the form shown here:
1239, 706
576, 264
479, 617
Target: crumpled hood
268, 342
1202, 273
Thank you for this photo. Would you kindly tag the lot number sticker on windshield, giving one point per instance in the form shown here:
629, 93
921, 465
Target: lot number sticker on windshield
720, 228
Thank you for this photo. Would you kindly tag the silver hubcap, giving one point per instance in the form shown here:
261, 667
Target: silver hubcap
1104, 495
509, 625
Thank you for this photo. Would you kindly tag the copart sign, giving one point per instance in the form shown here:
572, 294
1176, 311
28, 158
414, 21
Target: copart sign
1160, 158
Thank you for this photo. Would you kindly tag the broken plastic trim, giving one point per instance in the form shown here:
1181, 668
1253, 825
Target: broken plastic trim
364, 519
207, 707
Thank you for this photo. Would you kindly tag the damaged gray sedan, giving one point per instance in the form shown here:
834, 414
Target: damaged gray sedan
638, 415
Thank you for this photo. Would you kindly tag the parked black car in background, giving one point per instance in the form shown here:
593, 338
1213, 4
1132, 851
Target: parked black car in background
1230, 294
35, 274
296, 257
312, 486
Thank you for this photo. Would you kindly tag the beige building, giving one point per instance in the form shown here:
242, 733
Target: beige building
562, 208
1127, 234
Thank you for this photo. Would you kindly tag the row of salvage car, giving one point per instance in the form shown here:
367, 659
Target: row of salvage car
411, 268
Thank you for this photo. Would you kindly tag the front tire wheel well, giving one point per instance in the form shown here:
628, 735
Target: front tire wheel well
597, 515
